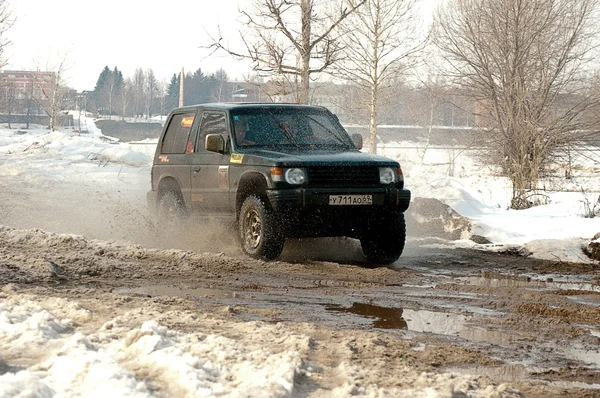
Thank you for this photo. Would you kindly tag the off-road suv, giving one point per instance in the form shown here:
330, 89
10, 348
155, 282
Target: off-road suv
278, 171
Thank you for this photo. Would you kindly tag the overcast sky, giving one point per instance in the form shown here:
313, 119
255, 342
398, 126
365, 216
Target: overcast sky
127, 34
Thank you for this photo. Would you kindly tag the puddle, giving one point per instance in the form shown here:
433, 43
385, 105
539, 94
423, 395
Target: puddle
591, 358
385, 318
574, 384
177, 291
398, 318
434, 322
531, 284
592, 302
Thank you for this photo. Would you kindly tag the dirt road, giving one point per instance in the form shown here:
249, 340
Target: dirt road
521, 327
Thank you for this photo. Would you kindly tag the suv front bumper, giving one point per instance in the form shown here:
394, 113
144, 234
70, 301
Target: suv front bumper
304, 198
306, 212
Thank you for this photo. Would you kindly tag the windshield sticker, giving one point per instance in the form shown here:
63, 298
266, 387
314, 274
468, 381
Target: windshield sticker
236, 158
187, 121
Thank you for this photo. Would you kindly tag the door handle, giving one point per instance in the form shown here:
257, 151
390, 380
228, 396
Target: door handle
197, 169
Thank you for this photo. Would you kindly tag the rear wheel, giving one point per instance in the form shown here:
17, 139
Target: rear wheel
260, 235
384, 243
171, 210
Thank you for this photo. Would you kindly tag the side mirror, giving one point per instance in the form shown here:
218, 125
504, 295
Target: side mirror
357, 140
215, 143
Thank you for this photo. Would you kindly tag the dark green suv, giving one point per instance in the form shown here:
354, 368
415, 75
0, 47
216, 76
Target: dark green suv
278, 171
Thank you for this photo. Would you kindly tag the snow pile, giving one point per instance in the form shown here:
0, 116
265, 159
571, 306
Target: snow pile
553, 231
120, 361
74, 148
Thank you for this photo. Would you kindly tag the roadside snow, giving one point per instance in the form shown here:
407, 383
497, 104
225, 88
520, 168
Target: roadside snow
115, 360
553, 231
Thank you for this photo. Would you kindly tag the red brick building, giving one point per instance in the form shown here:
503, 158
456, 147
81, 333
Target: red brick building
26, 91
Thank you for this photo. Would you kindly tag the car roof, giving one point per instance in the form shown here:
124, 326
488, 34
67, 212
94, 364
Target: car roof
247, 105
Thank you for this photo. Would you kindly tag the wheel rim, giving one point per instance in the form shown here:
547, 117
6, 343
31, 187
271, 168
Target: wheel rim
252, 229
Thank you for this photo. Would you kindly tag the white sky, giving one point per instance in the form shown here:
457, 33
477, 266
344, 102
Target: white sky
127, 34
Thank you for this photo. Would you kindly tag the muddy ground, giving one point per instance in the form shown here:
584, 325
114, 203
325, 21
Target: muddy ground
527, 327
522, 327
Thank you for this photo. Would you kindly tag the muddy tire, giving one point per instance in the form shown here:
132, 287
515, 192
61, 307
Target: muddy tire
384, 244
260, 235
171, 212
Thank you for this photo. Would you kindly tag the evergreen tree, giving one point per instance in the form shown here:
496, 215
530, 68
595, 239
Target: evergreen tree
172, 100
108, 90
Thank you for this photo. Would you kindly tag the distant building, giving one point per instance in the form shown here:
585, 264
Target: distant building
246, 92
26, 92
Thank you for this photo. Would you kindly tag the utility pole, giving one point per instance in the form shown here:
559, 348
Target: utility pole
181, 79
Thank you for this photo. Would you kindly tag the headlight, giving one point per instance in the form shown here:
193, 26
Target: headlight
295, 176
387, 175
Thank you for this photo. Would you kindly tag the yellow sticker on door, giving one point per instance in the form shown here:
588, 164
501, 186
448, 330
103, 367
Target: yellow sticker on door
236, 158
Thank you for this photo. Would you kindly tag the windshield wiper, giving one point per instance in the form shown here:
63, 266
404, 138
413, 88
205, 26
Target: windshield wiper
288, 134
333, 132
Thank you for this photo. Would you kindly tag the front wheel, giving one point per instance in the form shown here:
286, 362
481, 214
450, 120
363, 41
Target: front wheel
259, 232
384, 244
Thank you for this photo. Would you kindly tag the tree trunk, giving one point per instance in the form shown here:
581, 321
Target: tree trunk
306, 7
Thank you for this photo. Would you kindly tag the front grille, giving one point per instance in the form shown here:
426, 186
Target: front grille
338, 176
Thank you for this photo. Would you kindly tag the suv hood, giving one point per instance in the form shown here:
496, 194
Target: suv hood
313, 157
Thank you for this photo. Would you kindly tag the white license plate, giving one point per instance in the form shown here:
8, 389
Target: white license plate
343, 200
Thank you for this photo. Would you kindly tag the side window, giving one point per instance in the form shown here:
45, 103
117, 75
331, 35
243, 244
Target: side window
177, 134
212, 123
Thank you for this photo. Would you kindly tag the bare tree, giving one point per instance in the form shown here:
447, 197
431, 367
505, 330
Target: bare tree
139, 92
151, 92
381, 41
162, 96
294, 38
50, 88
9, 100
221, 79
127, 99
527, 63
6, 21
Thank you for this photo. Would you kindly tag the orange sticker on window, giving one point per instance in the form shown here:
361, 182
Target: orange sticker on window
187, 121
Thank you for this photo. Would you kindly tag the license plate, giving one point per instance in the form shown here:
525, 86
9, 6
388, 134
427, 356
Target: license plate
349, 200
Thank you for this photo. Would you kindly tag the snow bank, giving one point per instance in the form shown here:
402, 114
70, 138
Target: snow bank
53, 358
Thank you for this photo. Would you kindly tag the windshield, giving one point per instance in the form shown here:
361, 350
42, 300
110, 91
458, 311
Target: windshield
294, 127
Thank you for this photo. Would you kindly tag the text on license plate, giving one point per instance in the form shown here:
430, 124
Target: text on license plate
341, 200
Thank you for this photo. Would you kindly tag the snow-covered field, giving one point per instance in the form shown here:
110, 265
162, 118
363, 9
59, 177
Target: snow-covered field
69, 363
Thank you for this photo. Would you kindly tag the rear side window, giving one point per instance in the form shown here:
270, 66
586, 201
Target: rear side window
177, 134
212, 123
